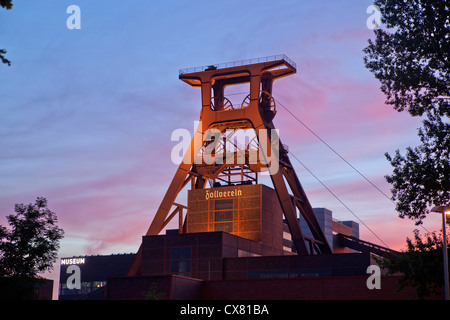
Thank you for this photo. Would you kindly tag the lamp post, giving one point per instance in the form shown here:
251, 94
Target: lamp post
444, 210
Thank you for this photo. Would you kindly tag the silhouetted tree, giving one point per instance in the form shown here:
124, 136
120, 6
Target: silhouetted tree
421, 265
31, 245
28, 248
421, 178
411, 57
6, 4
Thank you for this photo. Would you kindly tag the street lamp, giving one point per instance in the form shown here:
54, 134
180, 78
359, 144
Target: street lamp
444, 210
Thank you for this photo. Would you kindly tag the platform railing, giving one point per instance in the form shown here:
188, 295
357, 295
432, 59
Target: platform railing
239, 63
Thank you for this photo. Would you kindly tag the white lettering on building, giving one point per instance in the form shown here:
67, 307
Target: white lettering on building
223, 194
72, 261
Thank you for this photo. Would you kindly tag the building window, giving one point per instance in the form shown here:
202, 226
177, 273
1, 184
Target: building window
181, 261
223, 215
225, 204
86, 287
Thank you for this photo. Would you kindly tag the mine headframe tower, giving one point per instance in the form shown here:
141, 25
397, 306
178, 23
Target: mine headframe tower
255, 112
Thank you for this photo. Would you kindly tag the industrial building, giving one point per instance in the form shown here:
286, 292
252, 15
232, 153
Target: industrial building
184, 265
85, 277
230, 233
239, 238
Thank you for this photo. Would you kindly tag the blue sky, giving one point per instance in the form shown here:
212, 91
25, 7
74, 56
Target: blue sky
86, 115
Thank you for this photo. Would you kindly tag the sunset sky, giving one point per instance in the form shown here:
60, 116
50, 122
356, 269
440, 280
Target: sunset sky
86, 116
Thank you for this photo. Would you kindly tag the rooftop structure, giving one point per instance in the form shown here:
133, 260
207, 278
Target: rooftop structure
238, 229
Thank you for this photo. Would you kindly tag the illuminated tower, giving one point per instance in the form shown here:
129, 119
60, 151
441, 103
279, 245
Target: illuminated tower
209, 157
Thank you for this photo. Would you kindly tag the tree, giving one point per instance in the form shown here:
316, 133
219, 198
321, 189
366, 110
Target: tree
421, 265
410, 56
421, 178
31, 245
8, 5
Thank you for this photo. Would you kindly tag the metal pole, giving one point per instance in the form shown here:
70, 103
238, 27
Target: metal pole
445, 256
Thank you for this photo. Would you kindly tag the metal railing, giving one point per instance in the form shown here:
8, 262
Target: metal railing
239, 63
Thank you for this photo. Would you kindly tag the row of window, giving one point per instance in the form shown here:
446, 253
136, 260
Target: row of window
223, 215
85, 288
226, 204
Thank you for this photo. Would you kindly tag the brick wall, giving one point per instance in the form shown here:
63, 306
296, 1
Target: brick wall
325, 288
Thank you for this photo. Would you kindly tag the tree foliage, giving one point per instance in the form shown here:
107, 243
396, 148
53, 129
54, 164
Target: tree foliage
410, 55
8, 5
30, 246
421, 178
421, 265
